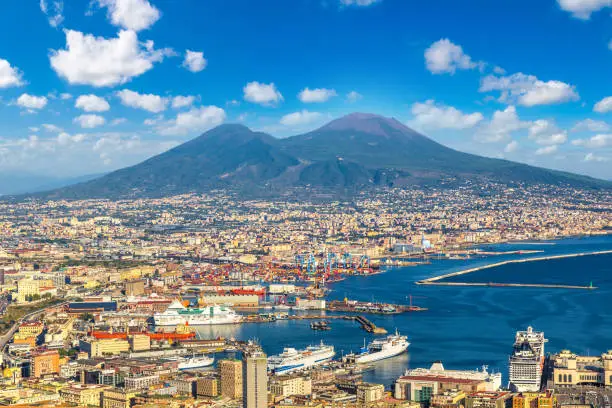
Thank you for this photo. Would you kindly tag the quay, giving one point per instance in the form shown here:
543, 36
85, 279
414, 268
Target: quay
436, 279
352, 306
365, 323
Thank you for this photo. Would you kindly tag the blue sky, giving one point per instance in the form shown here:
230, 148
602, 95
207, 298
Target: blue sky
92, 86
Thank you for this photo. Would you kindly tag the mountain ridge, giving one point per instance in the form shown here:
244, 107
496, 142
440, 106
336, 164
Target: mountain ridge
350, 153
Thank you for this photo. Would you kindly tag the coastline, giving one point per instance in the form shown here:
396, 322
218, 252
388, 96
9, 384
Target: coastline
436, 279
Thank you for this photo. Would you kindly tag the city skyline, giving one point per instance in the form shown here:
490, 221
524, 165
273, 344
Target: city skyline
85, 91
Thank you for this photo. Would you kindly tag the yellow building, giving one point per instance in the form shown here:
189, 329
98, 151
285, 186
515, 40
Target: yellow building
140, 342
27, 287
30, 329
286, 386
534, 400
368, 393
83, 395
571, 369
105, 347
207, 387
116, 398
231, 378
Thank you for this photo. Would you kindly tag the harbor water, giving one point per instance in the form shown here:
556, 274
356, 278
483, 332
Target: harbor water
467, 327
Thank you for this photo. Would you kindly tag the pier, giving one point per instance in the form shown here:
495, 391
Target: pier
369, 326
365, 323
436, 280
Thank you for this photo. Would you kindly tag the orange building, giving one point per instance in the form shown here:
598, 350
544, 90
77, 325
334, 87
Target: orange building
45, 363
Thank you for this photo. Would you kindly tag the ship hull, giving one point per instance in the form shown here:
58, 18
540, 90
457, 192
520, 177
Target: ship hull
381, 355
300, 363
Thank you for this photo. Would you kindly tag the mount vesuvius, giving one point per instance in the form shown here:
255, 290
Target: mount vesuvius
357, 151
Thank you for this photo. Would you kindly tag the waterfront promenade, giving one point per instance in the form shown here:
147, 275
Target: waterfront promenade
439, 280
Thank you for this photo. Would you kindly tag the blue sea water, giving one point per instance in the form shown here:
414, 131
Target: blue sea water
467, 327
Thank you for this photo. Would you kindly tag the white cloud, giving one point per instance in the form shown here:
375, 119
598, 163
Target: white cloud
590, 157
591, 126
182, 101
603, 106
148, 102
597, 141
97, 61
359, 3
92, 103
89, 121
300, 118
511, 147
501, 126
354, 96
32, 102
196, 120
263, 94
52, 128
9, 75
543, 151
65, 96
65, 138
54, 10
545, 132
317, 95
528, 90
583, 9
499, 70
430, 115
445, 57
194, 61
135, 15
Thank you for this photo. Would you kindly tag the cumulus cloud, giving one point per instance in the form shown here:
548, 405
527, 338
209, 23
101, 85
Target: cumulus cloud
32, 102
429, 115
595, 142
135, 15
317, 95
9, 75
97, 61
583, 9
194, 61
92, 103
89, 121
511, 147
545, 132
591, 126
445, 57
263, 94
543, 151
528, 90
501, 126
301, 118
65, 138
354, 96
54, 10
148, 102
65, 96
603, 106
591, 157
195, 120
182, 101
359, 3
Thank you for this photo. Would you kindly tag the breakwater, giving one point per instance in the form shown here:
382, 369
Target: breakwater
439, 280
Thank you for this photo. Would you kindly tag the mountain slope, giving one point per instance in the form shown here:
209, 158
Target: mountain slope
353, 152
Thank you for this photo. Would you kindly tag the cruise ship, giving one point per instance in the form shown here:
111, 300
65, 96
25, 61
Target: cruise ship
527, 361
178, 314
381, 349
293, 360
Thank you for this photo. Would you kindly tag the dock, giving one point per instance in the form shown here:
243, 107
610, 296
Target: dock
369, 326
353, 306
365, 323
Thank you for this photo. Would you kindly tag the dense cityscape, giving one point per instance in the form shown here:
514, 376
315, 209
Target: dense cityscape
100, 299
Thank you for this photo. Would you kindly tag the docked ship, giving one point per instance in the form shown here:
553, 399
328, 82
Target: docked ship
293, 360
178, 314
527, 361
381, 349
192, 363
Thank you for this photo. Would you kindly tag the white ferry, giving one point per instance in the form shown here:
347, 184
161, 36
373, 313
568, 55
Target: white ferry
192, 363
293, 360
381, 349
178, 314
